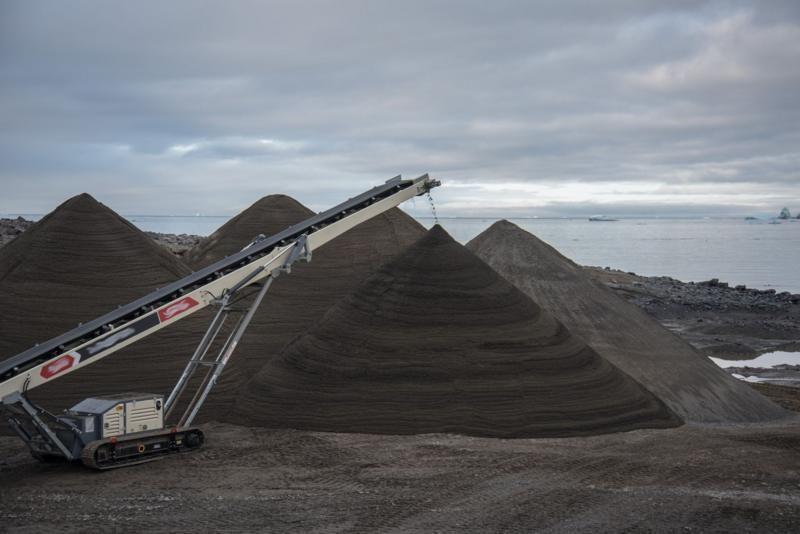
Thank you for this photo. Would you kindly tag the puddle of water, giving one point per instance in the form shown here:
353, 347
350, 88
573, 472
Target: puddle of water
770, 359
759, 379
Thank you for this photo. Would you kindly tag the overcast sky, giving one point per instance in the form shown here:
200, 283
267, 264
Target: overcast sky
622, 108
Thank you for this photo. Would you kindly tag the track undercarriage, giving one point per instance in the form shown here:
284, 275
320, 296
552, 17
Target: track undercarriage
139, 448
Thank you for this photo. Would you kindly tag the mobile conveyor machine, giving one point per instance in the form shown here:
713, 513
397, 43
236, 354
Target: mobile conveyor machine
130, 428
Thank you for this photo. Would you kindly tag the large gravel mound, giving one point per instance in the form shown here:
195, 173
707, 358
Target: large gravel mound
77, 263
268, 216
688, 382
298, 300
437, 341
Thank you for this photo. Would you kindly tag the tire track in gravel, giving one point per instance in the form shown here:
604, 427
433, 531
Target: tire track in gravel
490, 500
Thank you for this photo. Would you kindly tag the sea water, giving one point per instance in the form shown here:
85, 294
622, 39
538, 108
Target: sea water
767, 360
753, 253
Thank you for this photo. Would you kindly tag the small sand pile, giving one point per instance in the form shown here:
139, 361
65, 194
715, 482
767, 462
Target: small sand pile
298, 300
77, 263
436, 341
688, 382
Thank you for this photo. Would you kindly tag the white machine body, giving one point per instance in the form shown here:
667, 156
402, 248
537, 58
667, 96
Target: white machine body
122, 414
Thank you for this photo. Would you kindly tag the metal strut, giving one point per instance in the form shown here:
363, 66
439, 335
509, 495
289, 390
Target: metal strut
44, 434
214, 366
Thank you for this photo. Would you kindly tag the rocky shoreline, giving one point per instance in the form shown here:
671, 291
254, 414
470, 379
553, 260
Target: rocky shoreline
178, 244
11, 228
717, 319
732, 323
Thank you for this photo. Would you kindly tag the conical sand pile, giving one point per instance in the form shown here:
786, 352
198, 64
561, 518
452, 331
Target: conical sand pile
688, 382
436, 341
77, 263
268, 216
298, 300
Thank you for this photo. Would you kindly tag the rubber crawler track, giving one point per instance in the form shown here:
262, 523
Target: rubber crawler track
122, 451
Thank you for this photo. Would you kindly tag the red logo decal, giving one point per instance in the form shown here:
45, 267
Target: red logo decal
62, 363
176, 308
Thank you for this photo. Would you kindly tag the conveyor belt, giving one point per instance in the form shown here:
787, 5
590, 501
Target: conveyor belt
124, 314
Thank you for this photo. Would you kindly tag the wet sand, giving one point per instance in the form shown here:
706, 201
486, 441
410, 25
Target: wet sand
688, 479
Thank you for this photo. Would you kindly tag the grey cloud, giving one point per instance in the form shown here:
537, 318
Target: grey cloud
165, 107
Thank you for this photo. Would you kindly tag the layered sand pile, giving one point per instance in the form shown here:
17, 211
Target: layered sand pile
437, 341
268, 216
688, 382
77, 263
298, 300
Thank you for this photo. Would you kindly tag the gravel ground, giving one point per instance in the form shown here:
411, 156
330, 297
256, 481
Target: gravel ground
788, 397
688, 479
